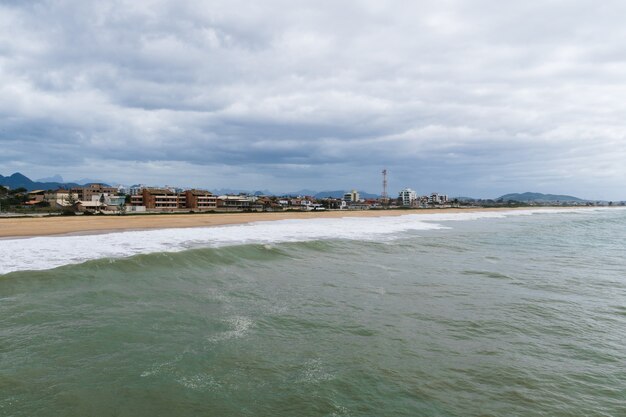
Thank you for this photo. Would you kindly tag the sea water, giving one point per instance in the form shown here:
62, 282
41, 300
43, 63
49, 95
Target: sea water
472, 314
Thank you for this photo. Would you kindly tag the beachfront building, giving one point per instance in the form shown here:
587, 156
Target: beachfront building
58, 199
160, 199
352, 197
136, 200
407, 197
85, 193
35, 198
200, 200
166, 199
436, 198
237, 203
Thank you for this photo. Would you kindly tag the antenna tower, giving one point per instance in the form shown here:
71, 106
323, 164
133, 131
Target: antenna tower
384, 195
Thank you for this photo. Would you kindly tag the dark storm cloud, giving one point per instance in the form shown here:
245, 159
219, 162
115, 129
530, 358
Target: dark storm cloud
462, 97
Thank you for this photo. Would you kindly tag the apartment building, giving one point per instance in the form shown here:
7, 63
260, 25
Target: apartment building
159, 199
352, 197
406, 197
436, 198
200, 200
87, 192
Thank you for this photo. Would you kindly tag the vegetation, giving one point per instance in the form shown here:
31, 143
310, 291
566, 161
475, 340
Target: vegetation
12, 198
71, 201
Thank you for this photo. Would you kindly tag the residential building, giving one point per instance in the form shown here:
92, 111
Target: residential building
236, 203
136, 200
352, 197
200, 200
406, 197
136, 189
160, 199
436, 198
86, 192
36, 196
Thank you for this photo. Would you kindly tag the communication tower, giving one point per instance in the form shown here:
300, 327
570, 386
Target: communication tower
384, 196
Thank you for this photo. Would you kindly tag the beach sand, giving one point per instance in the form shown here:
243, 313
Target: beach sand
44, 226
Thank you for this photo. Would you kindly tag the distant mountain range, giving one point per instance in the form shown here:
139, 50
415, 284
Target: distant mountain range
18, 180
59, 179
539, 198
340, 193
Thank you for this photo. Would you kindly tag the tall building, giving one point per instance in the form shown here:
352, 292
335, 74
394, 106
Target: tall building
407, 197
352, 197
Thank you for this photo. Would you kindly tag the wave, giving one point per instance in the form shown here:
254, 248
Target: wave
48, 252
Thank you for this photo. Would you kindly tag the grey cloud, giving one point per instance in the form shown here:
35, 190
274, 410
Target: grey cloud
468, 97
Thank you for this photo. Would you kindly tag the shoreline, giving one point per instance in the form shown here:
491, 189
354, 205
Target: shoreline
11, 228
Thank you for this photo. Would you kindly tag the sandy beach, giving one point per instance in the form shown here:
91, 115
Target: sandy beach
44, 226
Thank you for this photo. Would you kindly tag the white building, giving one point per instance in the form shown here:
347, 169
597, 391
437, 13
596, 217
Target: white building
136, 189
352, 197
407, 197
436, 198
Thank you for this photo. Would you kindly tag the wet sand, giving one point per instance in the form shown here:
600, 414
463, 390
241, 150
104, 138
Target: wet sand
44, 226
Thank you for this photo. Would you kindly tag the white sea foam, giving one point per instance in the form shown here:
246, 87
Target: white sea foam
52, 251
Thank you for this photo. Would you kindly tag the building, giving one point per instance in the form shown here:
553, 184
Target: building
237, 203
407, 197
200, 200
352, 197
436, 198
136, 200
136, 189
58, 199
86, 192
36, 196
161, 199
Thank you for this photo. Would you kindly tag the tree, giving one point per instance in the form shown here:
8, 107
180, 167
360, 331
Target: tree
121, 209
102, 201
70, 202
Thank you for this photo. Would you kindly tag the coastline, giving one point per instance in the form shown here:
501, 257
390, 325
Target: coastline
81, 225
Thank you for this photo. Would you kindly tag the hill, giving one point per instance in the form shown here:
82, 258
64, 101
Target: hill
18, 180
340, 193
538, 197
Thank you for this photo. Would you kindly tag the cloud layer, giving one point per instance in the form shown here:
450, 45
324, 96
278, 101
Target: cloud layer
465, 97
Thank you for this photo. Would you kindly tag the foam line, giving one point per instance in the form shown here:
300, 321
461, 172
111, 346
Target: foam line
53, 251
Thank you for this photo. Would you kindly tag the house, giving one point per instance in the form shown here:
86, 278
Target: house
237, 203
37, 196
58, 199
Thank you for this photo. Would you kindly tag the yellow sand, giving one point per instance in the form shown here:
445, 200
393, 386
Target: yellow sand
42, 226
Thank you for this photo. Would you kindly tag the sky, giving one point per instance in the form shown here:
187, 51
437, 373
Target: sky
469, 98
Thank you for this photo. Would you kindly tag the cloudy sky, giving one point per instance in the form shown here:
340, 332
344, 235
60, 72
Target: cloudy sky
473, 98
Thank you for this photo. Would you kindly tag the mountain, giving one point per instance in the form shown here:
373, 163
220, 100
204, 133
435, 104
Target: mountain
85, 181
538, 197
340, 193
54, 178
227, 191
18, 180
301, 192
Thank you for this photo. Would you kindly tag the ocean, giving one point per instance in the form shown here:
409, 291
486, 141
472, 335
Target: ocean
508, 313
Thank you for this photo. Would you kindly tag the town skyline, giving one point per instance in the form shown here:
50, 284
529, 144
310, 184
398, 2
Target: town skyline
60, 182
456, 96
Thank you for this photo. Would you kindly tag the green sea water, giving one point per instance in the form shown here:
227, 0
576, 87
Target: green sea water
519, 316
